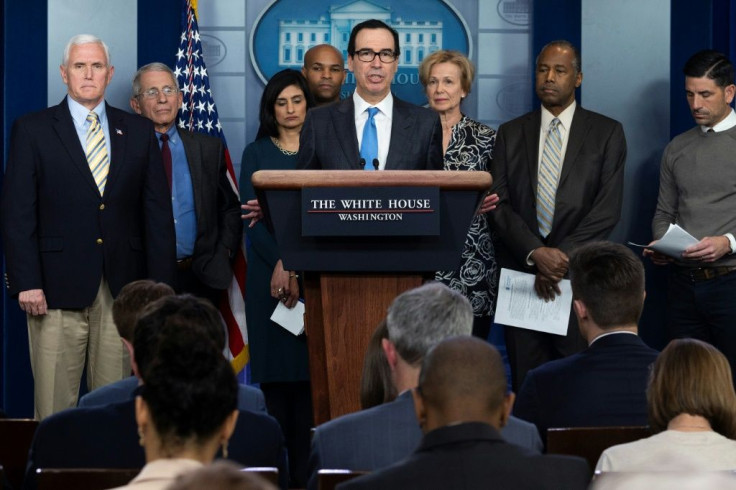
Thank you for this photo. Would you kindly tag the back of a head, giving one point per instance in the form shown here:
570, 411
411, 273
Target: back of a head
189, 388
463, 377
130, 302
422, 317
609, 279
221, 475
184, 309
710, 64
693, 377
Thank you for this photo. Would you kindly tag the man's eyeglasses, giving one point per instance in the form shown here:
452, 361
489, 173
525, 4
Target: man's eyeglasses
368, 55
153, 93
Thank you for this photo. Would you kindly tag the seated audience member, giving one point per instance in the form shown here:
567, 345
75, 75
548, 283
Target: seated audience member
371, 439
461, 403
221, 475
692, 413
376, 386
186, 410
105, 437
605, 384
126, 309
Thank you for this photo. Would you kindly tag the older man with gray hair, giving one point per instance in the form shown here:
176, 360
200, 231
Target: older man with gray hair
418, 320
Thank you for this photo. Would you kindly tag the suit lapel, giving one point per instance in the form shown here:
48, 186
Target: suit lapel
118, 140
401, 124
193, 151
531, 140
343, 119
64, 127
578, 130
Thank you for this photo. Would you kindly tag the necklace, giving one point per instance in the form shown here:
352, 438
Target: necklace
282, 149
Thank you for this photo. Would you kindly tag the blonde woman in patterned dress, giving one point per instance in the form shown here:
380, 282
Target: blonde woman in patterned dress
468, 145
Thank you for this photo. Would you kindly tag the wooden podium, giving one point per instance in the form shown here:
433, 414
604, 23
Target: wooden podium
349, 281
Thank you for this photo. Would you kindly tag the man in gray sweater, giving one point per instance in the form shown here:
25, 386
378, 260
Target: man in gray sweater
698, 192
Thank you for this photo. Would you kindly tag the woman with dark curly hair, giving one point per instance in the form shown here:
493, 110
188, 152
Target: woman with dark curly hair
468, 145
692, 413
187, 408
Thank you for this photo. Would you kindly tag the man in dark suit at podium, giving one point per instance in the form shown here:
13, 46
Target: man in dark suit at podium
373, 129
559, 174
605, 385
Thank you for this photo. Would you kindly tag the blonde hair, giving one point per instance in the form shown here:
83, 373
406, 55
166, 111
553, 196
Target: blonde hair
693, 377
467, 70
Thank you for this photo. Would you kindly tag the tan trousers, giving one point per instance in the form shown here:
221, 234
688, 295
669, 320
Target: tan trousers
61, 340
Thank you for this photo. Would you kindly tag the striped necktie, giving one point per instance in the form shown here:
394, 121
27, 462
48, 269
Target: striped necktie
549, 175
96, 151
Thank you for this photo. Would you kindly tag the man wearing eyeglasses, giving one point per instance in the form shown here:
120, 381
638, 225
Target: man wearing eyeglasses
206, 209
85, 210
373, 129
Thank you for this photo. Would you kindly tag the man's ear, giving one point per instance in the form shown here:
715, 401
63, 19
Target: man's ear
390, 350
135, 105
419, 409
580, 309
508, 405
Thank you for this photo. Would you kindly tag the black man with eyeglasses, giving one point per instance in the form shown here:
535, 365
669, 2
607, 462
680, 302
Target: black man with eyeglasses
206, 210
373, 129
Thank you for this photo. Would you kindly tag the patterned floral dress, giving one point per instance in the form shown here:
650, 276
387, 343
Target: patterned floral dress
471, 148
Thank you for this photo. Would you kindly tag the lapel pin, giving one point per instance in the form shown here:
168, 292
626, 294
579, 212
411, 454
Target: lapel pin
119, 131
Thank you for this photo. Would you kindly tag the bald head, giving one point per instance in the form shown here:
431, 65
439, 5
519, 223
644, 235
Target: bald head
463, 380
324, 69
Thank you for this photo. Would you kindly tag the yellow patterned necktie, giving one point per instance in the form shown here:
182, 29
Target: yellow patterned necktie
96, 151
549, 175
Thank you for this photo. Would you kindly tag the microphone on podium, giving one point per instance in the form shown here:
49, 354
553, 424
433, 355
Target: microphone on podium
375, 163
362, 163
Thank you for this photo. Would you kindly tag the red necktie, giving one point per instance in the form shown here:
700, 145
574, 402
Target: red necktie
166, 154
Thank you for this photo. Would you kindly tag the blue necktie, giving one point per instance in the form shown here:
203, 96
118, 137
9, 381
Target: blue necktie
369, 146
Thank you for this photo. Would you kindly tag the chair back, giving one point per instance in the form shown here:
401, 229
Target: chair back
329, 479
16, 436
267, 472
84, 478
590, 442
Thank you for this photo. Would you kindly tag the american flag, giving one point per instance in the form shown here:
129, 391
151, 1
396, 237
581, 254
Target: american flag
198, 113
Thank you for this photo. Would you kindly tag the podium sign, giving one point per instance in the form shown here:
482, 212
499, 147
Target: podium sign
370, 211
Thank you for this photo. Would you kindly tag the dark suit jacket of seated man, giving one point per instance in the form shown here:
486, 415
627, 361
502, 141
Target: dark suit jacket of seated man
460, 403
387, 433
106, 437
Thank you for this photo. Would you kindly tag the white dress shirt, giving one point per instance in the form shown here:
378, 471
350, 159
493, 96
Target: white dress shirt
383, 124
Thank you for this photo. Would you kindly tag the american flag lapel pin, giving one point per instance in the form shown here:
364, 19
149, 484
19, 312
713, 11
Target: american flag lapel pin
119, 131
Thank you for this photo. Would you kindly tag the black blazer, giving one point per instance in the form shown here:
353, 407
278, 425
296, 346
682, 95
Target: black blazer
106, 437
329, 141
59, 234
589, 193
473, 455
604, 385
217, 207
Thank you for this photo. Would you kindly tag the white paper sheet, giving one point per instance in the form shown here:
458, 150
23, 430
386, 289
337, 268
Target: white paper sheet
291, 319
518, 305
673, 243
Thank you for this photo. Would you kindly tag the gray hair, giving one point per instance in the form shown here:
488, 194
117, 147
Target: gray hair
84, 39
421, 318
155, 66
